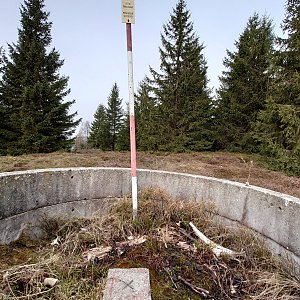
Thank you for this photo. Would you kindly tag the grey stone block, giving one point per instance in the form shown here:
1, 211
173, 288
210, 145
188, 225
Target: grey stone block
127, 284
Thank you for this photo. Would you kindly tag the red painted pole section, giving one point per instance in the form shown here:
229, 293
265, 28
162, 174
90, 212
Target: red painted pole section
129, 37
133, 146
132, 120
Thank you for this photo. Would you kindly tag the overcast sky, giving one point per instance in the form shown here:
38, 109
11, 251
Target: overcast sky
91, 38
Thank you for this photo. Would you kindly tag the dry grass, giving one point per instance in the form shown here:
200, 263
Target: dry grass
256, 274
230, 166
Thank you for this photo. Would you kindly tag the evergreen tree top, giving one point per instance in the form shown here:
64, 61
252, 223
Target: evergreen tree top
181, 51
2, 60
291, 23
254, 43
35, 24
114, 91
179, 24
114, 106
257, 29
291, 26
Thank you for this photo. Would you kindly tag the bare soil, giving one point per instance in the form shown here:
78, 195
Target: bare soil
233, 166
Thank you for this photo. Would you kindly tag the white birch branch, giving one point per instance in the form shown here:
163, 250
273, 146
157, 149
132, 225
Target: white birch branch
218, 250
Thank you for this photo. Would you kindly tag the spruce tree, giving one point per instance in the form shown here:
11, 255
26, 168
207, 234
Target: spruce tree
8, 113
32, 90
245, 84
100, 135
289, 56
2, 59
184, 103
278, 126
146, 118
123, 139
114, 115
4, 132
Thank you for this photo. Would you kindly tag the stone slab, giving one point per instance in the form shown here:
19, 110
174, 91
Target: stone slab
127, 284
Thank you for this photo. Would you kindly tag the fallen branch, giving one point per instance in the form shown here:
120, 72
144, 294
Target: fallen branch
99, 253
218, 250
171, 277
186, 247
200, 291
132, 241
181, 230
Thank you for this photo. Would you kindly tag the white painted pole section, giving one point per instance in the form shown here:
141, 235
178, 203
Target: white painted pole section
132, 122
134, 197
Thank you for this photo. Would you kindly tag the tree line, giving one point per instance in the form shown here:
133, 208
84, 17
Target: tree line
256, 108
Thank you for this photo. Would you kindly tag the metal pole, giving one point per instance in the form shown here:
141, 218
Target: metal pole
132, 121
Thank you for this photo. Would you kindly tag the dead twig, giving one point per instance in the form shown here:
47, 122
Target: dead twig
168, 271
99, 252
181, 230
132, 241
9, 287
200, 291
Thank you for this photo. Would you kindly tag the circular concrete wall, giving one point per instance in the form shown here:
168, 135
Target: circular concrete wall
28, 197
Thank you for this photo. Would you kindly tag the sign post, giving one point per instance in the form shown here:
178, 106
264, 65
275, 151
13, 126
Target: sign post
128, 17
128, 13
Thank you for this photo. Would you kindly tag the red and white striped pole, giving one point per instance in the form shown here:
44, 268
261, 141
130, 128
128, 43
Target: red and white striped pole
132, 121
128, 17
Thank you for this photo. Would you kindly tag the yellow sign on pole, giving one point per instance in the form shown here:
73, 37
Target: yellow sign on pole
128, 15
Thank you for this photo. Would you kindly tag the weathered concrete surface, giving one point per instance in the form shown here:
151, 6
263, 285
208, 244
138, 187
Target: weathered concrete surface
275, 216
29, 190
26, 196
127, 284
32, 223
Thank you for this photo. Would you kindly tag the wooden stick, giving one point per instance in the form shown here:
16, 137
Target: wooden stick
133, 241
181, 230
170, 275
200, 291
216, 249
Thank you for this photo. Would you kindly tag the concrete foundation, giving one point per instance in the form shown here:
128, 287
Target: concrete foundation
28, 197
